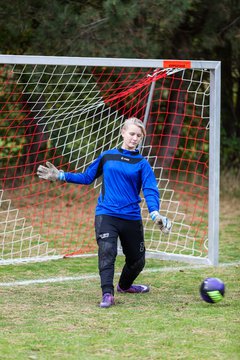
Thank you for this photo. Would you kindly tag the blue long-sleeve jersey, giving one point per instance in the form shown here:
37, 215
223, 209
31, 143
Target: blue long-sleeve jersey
124, 174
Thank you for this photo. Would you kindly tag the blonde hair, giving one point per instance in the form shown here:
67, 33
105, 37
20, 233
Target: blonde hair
135, 121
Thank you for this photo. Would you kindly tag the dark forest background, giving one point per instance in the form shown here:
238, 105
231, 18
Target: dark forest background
157, 29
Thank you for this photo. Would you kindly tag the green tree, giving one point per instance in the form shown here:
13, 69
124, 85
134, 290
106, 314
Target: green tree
182, 29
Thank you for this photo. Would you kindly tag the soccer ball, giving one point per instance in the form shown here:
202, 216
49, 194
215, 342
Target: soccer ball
212, 290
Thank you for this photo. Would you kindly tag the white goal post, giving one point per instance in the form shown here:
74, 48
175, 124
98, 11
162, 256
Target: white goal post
68, 110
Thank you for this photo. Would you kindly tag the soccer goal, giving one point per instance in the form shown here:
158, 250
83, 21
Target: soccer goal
67, 110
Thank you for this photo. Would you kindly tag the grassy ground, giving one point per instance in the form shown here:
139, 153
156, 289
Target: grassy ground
62, 320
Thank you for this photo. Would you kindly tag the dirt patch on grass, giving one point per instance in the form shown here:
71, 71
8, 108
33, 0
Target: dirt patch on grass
229, 209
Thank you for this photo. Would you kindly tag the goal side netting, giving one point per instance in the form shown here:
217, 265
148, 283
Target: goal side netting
67, 111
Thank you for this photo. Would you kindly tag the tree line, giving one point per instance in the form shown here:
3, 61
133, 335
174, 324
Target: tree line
179, 29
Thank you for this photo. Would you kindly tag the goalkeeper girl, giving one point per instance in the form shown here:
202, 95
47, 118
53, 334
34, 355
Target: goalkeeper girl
125, 172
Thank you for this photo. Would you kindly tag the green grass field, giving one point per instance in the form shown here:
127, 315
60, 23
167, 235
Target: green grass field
61, 319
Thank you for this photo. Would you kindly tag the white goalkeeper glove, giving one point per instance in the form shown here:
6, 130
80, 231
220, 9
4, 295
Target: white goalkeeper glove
50, 172
163, 222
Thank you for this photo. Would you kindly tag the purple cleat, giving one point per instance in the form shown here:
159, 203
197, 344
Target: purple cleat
134, 289
107, 300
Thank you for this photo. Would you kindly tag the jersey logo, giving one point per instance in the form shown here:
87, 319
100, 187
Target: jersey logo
125, 159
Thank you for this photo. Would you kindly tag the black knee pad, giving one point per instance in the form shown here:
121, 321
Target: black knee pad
138, 265
107, 252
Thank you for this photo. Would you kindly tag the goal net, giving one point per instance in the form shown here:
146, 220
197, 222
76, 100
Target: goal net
67, 111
